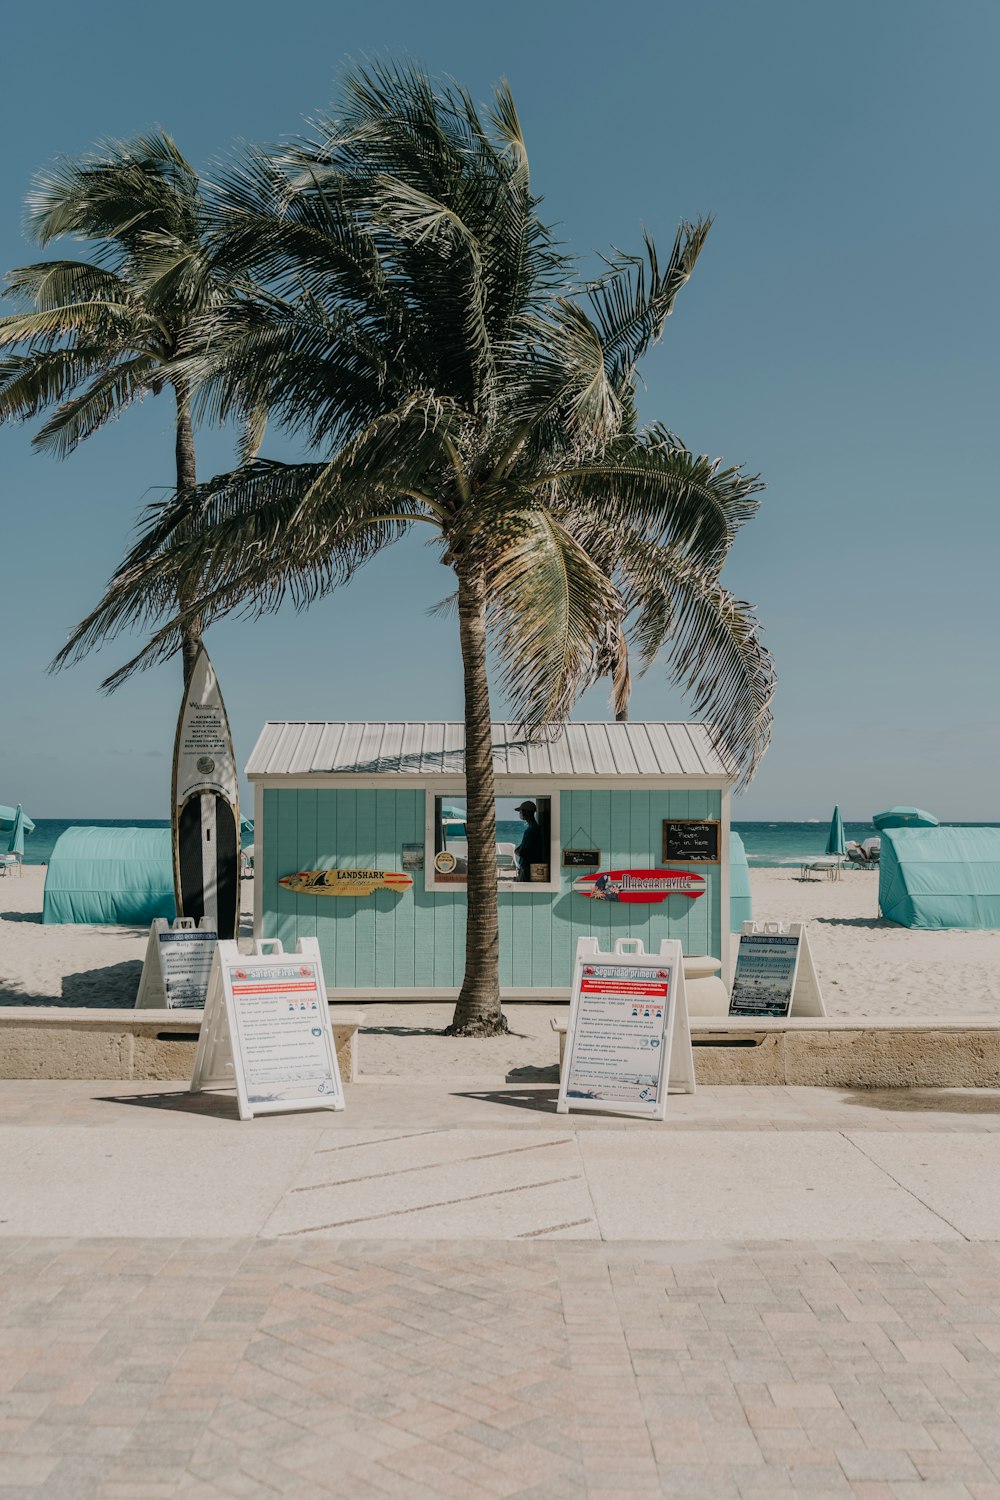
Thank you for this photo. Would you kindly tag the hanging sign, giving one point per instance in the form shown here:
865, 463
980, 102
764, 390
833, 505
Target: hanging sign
346, 882
177, 965
694, 839
640, 885
572, 857
206, 813
267, 1032
628, 1040
775, 973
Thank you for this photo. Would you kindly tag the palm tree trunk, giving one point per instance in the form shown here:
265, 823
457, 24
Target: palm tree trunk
187, 478
478, 1011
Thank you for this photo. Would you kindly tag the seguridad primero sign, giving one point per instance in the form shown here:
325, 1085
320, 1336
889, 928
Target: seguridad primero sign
628, 1040
267, 1031
775, 974
177, 965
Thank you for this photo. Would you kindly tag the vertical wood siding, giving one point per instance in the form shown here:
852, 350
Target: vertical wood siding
417, 940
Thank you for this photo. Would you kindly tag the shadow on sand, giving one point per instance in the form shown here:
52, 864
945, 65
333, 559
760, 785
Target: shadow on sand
541, 1101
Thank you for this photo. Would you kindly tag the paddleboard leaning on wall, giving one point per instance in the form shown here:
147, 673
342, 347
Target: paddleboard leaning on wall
206, 812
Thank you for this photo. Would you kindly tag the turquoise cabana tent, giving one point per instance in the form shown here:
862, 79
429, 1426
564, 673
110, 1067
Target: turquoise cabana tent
740, 899
110, 875
941, 877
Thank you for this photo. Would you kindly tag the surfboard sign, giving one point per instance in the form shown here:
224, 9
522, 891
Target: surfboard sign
345, 882
206, 808
640, 886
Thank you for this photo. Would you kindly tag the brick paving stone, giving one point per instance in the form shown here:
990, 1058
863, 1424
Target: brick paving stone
235, 1370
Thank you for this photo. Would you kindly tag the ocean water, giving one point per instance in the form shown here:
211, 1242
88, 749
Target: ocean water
768, 845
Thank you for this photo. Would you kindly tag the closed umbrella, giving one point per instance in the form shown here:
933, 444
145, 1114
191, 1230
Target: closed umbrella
835, 838
904, 817
8, 814
16, 845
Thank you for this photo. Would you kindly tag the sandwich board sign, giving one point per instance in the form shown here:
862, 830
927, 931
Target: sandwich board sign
177, 965
266, 1030
628, 1040
775, 973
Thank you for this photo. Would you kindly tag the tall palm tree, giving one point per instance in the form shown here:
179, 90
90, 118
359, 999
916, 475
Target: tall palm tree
93, 336
425, 334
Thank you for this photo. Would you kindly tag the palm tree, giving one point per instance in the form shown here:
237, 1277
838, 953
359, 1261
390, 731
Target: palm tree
425, 334
93, 336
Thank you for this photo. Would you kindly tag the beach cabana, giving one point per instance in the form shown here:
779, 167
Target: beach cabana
941, 877
389, 796
110, 876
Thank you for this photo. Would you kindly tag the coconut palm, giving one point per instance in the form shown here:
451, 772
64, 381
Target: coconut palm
427, 337
93, 336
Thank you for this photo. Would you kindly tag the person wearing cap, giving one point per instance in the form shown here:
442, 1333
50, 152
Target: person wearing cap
533, 848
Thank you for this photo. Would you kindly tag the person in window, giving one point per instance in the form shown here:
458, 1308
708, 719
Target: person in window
533, 848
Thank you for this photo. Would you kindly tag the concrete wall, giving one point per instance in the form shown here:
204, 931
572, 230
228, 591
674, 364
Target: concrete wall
417, 941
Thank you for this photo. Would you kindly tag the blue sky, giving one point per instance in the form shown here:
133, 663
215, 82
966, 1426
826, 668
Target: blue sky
839, 336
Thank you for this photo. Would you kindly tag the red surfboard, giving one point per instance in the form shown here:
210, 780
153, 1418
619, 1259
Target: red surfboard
640, 886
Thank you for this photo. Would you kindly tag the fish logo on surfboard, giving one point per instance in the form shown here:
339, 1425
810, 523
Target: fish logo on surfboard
205, 806
345, 882
640, 886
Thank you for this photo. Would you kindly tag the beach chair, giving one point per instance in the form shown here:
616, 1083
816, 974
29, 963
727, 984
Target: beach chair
506, 862
828, 867
8, 862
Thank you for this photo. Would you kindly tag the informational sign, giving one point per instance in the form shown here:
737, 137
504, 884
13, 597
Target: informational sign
177, 966
267, 1031
775, 973
640, 886
693, 839
412, 857
346, 882
571, 857
628, 1040
206, 814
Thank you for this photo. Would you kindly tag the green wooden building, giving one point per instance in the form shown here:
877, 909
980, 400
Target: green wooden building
391, 796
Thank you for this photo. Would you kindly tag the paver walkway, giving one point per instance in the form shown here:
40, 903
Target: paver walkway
779, 1293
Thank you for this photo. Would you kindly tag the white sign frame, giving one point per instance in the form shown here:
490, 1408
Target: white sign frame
220, 1062
676, 1069
154, 986
805, 996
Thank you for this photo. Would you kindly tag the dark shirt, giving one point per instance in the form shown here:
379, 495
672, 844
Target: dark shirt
532, 850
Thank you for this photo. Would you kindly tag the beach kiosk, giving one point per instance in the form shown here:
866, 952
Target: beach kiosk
605, 830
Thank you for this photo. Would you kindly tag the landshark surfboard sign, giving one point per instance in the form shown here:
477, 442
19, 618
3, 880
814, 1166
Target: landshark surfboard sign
206, 808
345, 882
640, 886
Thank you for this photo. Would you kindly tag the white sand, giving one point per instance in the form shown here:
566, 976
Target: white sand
866, 967
869, 967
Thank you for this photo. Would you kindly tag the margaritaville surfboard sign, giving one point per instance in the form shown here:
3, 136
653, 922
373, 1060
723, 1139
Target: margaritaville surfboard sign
206, 812
639, 886
345, 882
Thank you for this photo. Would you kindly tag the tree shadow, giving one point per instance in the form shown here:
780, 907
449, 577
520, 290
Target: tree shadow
533, 1074
928, 1101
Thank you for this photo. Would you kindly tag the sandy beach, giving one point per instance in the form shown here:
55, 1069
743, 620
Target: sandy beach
867, 967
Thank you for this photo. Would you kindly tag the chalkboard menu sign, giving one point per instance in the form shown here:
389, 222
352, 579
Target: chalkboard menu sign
691, 839
574, 857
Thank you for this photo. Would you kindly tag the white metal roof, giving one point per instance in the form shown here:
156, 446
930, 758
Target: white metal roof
437, 748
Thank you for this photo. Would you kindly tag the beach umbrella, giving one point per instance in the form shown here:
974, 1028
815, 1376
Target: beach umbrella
8, 815
904, 817
835, 838
246, 824
16, 845
452, 815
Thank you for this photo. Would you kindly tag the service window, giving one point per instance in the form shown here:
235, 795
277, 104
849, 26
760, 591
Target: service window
525, 842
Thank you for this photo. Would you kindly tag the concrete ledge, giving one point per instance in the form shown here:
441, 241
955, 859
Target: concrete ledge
62, 1042
837, 1052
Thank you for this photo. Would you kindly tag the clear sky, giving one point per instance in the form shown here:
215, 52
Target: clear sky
839, 336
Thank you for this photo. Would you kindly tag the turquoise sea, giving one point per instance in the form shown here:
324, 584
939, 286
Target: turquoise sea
768, 845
